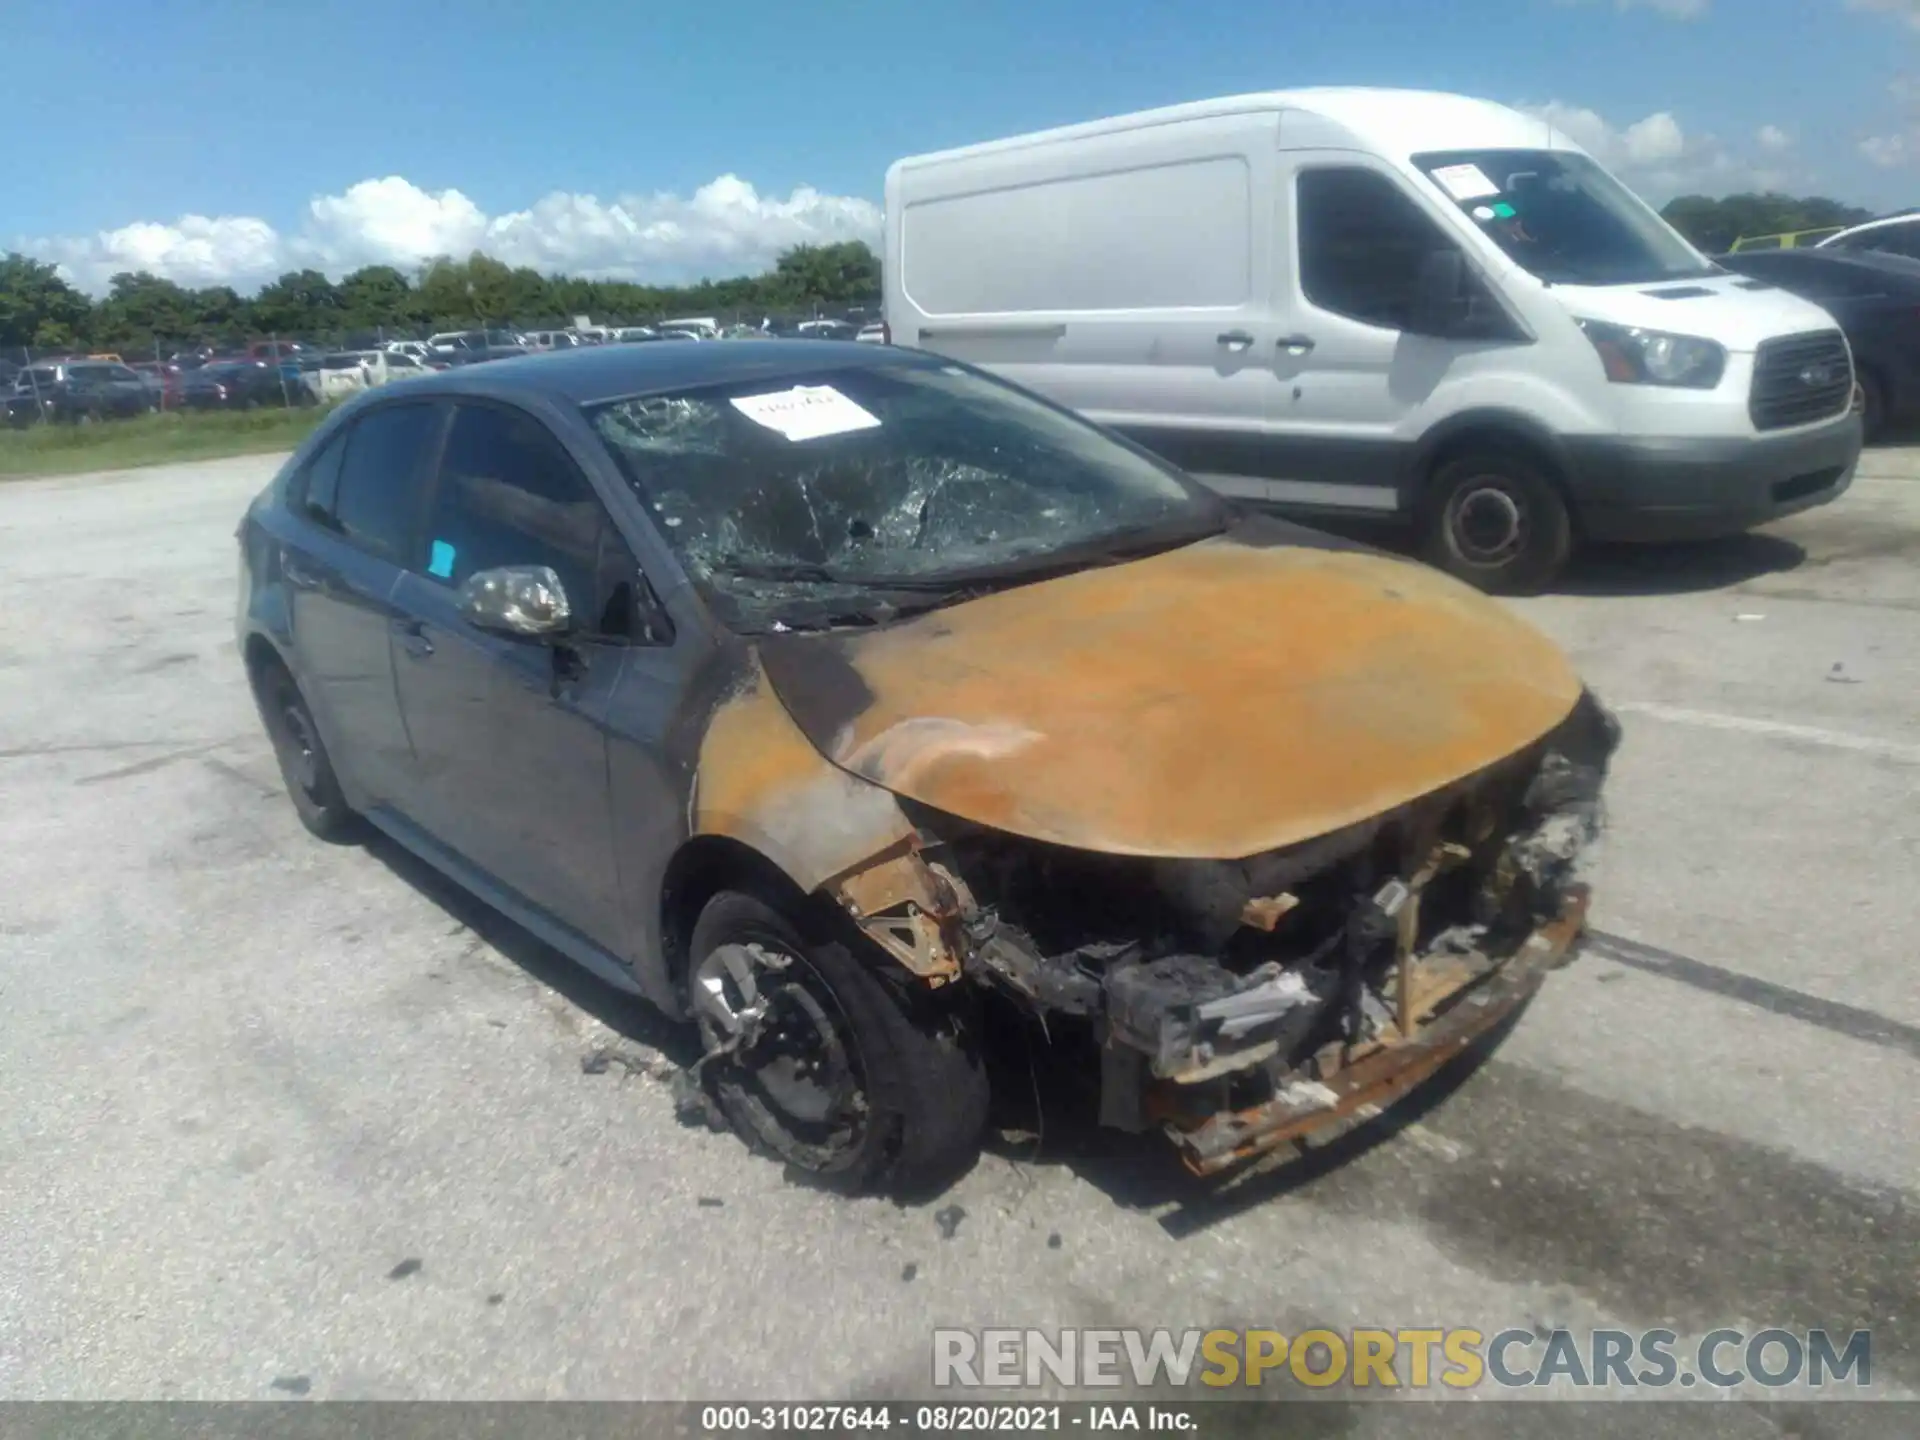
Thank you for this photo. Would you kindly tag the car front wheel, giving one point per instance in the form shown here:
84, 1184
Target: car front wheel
816, 1059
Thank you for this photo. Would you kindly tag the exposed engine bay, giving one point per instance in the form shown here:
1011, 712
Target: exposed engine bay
1225, 995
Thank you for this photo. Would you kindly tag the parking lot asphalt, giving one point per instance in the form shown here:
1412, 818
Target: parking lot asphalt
278, 1117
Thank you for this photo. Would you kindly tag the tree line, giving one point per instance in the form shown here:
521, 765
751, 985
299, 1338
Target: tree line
141, 311
1713, 225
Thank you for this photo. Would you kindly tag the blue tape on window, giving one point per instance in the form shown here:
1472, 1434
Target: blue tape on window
441, 563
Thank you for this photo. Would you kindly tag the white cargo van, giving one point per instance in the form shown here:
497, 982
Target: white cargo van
1414, 306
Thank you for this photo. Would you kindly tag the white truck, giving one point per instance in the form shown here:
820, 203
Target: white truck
1419, 307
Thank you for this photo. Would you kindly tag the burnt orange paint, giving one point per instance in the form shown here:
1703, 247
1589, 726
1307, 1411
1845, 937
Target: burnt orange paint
1216, 701
760, 781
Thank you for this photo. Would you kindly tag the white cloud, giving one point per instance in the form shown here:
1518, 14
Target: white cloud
1659, 158
1899, 143
1909, 10
392, 221
1772, 138
726, 227
1886, 151
1672, 9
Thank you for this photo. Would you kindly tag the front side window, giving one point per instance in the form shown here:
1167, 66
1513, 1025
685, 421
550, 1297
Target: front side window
1562, 217
856, 492
380, 476
510, 494
1362, 244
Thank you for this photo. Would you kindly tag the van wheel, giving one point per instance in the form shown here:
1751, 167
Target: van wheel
304, 764
816, 1060
1493, 519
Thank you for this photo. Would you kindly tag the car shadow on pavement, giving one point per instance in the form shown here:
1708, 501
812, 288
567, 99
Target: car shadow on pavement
1045, 1115
1678, 568
626, 1015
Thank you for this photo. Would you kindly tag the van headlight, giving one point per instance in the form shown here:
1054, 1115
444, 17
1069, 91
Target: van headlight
1652, 357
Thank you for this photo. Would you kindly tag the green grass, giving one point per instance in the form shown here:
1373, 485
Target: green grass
150, 440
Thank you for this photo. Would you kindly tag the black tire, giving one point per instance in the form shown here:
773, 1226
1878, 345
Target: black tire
305, 766
913, 1119
1493, 519
1873, 406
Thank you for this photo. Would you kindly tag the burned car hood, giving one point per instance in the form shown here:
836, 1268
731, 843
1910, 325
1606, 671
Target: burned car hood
1216, 701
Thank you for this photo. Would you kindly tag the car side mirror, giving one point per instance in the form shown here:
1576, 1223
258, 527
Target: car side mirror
527, 602
1440, 301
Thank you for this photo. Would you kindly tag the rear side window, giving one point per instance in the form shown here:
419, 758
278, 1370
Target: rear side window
1362, 241
510, 494
377, 493
315, 488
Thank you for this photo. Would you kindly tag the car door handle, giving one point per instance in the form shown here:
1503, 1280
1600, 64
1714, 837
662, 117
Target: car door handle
1234, 339
412, 635
1298, 344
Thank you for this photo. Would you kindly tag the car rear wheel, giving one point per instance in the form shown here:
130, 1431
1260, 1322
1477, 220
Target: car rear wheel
814, 1058
304, 764
1493, 519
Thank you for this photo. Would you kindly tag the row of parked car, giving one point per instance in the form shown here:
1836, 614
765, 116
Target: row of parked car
83, 389
93, 388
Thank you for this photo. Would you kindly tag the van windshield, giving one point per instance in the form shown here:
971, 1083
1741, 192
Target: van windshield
852, 494
1562, 217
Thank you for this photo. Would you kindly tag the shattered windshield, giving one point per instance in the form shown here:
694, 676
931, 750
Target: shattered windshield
1564, 218
851, 494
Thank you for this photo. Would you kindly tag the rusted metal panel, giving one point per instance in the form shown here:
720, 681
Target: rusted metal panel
759, 780
1216, 701
908, 908
1386, 1070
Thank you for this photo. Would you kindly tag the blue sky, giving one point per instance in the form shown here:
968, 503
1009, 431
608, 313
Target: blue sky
231, 138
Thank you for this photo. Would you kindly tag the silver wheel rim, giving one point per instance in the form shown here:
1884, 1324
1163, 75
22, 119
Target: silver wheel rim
1487, 523
796, 1079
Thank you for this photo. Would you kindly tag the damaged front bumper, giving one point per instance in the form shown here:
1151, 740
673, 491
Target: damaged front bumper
1238, 1005
1458, 997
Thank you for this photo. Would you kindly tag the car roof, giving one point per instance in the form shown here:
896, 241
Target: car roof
595, 373
1885, 222
1814, 258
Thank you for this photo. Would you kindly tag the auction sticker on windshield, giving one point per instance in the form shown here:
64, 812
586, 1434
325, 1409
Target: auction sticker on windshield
806, 412
1465, 182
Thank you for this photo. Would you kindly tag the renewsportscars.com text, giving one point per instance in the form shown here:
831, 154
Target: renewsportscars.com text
1403, 1359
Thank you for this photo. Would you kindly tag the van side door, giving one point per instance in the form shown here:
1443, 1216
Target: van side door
1126, 276
1354, 370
